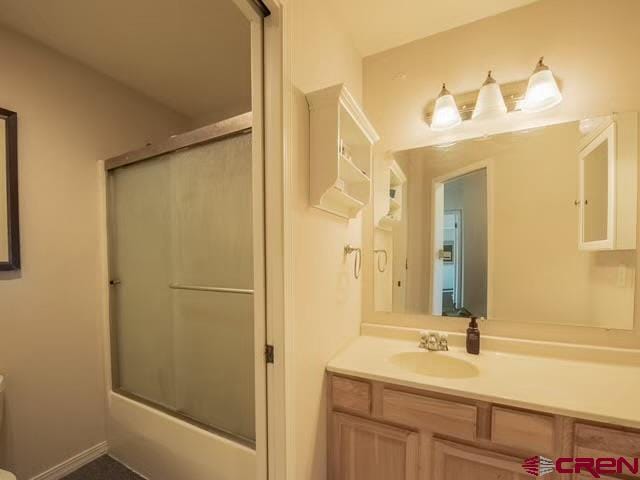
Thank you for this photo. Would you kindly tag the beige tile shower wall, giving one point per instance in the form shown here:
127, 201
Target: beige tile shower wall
591, 46
50, 343
327, 299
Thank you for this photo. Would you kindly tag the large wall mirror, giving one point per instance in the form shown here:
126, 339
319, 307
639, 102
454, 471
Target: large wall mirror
529, 226
9, 224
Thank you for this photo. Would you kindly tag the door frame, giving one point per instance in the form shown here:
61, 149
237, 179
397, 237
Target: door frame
273, 106
272, 109
277, 102
458, 256
437, 219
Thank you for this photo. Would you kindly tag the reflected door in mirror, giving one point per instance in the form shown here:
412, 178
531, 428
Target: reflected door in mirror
460, 232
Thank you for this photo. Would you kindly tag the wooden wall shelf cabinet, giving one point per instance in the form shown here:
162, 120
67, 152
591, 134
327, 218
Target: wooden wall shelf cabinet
393, 201
341, 141
381, 431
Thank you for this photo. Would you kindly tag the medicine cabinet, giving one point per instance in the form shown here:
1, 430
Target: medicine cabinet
608, 185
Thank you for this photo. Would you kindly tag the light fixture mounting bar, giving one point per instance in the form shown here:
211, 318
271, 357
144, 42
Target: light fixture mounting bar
512, 92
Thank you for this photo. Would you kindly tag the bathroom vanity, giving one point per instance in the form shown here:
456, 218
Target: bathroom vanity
528, 227
402, 413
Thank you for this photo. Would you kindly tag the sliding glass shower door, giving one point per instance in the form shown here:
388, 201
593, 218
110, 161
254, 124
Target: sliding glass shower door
181, 269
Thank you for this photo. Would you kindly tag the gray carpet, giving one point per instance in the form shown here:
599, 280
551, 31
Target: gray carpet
104, 468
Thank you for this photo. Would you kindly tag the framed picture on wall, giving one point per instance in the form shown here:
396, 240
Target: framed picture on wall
9, 221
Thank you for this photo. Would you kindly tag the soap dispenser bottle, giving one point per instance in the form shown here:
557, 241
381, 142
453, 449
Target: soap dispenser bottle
473, 337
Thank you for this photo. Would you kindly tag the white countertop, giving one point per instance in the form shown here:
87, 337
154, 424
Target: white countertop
602, 392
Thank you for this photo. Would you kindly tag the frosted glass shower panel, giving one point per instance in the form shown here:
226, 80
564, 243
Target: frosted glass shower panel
141, 303
182, 307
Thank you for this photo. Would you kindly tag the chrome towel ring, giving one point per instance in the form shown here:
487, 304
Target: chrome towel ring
382, 254
357, 265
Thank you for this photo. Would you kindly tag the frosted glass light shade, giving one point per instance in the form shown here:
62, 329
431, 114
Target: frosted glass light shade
445, 113
490, 102
542, 92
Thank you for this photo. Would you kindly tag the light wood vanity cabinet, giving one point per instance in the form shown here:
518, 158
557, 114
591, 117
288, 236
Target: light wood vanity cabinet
452, 461
381, 431
365, 450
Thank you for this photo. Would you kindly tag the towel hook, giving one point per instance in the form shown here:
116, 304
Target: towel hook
385, 256
357, 265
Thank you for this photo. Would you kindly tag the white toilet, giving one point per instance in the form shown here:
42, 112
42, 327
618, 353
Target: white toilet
4, 475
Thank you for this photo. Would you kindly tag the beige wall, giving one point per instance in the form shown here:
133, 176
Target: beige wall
327, 299
591, 46
50, 343
418, 191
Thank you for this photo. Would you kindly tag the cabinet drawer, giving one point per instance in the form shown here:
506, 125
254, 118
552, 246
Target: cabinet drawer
431, 414
352, 395
591, 441
513, 427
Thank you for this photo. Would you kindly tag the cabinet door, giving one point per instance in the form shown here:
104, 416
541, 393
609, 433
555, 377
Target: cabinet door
597, 192
453, 461
366, 450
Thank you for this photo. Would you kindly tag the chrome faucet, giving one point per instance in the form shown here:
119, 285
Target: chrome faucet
434, 341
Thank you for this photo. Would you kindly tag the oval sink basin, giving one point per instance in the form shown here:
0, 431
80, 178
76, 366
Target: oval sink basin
434, 364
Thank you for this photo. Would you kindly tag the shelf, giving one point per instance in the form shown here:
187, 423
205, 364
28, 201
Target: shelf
387, 223
339, 202
396, 175
350, 173
336, 120
390, 208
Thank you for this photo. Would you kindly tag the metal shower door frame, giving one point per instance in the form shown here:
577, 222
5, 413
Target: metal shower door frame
219, 131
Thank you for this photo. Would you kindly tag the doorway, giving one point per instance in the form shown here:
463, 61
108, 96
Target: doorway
453, 264
460, 238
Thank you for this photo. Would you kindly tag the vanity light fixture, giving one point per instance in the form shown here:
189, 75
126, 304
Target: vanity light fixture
445, 113
542, 91
539, 92
490, 102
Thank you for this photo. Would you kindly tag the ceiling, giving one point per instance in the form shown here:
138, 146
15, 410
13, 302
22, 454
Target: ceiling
378, 25
190, 55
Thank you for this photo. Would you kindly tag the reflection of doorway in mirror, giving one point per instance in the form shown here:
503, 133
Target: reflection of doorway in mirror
460, 240
452, 267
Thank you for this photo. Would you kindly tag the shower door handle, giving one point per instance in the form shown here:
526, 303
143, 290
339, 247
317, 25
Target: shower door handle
204, 288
